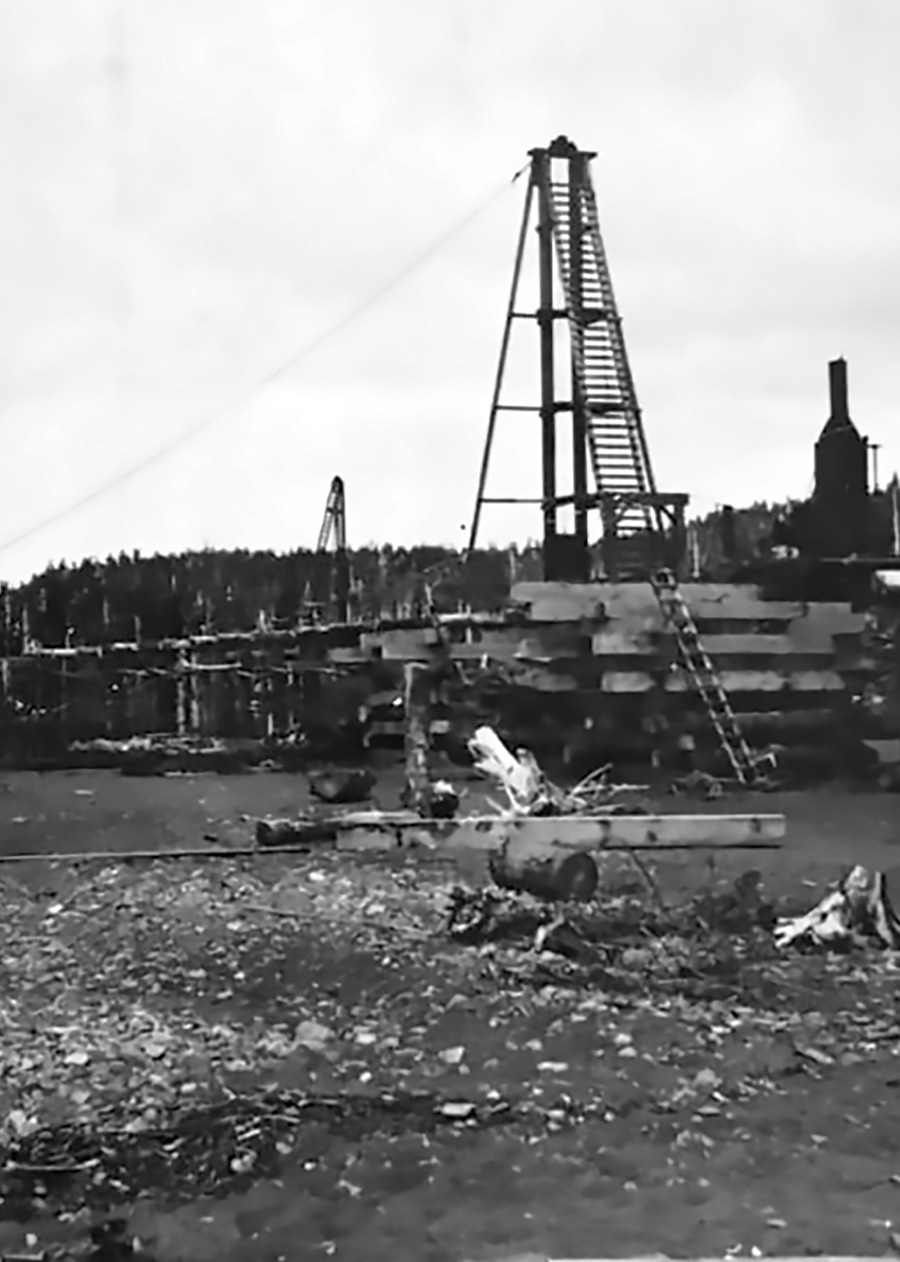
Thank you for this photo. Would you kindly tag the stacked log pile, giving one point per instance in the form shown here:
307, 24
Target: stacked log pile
571, 669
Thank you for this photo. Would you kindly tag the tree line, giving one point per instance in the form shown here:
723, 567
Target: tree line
132, 598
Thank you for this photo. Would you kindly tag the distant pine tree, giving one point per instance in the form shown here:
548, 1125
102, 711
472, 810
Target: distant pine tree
101, 602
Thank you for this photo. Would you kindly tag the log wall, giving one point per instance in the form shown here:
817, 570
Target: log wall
561, 651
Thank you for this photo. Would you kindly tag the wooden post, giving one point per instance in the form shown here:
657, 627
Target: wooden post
416, 706
609, 541
292, 698
540, 177
181, 679
679, 541
63, 725
194, 694
4, 683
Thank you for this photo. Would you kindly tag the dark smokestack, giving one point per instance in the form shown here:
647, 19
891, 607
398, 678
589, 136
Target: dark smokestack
837, 383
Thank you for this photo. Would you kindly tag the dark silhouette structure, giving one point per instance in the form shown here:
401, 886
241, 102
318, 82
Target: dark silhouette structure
642, 528
841, 496
728, 527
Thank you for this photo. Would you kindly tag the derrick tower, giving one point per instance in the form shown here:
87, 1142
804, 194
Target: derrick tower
641, 529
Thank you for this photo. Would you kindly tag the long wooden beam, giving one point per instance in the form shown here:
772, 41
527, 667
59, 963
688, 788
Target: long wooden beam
661, 1257
545, 835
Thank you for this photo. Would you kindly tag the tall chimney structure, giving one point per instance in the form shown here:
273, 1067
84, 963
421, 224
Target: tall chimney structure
837, 382
842, 473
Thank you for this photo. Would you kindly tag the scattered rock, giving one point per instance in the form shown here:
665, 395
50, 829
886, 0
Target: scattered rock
313, 1036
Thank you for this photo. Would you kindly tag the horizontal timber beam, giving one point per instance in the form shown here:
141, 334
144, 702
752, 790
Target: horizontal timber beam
535, 835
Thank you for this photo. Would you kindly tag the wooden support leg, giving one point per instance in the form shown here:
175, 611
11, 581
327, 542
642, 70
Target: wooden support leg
417, 698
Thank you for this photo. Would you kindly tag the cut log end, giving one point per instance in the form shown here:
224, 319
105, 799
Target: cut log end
560, 878
290, 832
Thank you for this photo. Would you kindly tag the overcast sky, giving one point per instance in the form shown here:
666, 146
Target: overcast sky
194, 190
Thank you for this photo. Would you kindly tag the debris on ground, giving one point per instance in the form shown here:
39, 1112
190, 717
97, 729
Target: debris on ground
339, 786
530, 792
858, 913
527, 789
713, 945
699, 783
444, 800
437, 799
190, 1152
204, 1028
160, 754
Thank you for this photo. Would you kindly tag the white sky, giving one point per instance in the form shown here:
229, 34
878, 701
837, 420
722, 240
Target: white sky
192, 190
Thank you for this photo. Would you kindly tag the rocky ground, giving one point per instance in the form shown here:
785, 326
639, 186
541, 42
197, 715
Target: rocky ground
293, 1058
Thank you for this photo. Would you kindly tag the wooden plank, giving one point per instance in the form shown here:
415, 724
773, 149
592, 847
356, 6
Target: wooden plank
888, 750
408, 644
495, 641
555, 640
566, 602
560, 602
635, 606
626, 681
708, 600
661, 1257
541, 679
758, 644
729, 651
349, 656
619, 639
786, 720
765, 681
734, 681
534, 837
546, 642
821, 623
545, 835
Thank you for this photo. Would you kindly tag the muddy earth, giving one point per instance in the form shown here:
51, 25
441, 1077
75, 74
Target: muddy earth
292, 1058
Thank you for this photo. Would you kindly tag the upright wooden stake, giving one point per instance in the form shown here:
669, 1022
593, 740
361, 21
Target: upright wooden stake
416, 704
181, 681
